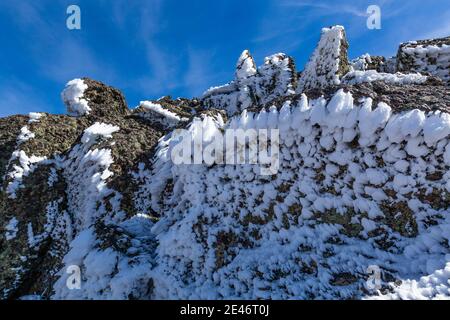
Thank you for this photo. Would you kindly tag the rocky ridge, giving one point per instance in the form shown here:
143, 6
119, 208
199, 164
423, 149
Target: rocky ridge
363, 181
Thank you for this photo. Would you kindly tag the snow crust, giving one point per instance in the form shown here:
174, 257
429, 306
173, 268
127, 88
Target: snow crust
356, 77
252, 87
270, 241
73, 98
358, 186
11, 229
433, 59
162, 115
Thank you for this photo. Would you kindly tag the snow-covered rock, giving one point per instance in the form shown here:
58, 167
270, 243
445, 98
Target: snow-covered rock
426, 56
353, 182
73, 97
328, 63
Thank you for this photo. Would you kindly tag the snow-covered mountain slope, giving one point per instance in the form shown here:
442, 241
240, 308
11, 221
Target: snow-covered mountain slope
358, 206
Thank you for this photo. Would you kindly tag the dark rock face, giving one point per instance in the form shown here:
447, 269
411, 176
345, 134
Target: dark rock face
105, 101
376, 63
430, 96
9, 130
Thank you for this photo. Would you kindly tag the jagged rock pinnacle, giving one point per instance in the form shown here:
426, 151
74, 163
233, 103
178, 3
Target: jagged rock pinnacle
87, 97
245, 66
328, 63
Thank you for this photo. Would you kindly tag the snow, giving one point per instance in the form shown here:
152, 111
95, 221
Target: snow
351, 179
251, 86
25, 135
168, 118
361, 63
372, 120
447, 154
73, 98
311, 133
245, 66
11, 229
35, 116
376, 177
26, 165
433, 59
106, 273
87, 171
356, 77
98, 130
405, 125
436, 127
435, 286
322, 68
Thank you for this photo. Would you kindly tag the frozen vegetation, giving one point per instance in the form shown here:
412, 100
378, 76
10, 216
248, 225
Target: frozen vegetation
362, 186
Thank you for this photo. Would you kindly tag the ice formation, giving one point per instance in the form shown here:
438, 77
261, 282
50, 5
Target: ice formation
361, 186
158, 113
429, 56
328, 62
72, 97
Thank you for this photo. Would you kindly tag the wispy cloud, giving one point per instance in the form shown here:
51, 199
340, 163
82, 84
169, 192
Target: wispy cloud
17, 97
162, 70
57, 53
328, 9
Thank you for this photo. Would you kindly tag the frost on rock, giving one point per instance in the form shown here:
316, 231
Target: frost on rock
315, 228
355, 77
35, 116
246, 66
26, 165
113, 252
362, 180
73, 98
368, 62
157, 114
86, 171
328, 63
426, 56
11, 229
98, 130
25, 135
252, 87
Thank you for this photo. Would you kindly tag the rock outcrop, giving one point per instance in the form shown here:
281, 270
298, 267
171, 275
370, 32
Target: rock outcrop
360, 187
426, 56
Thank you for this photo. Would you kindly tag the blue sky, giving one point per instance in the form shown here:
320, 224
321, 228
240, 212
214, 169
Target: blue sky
172, 47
